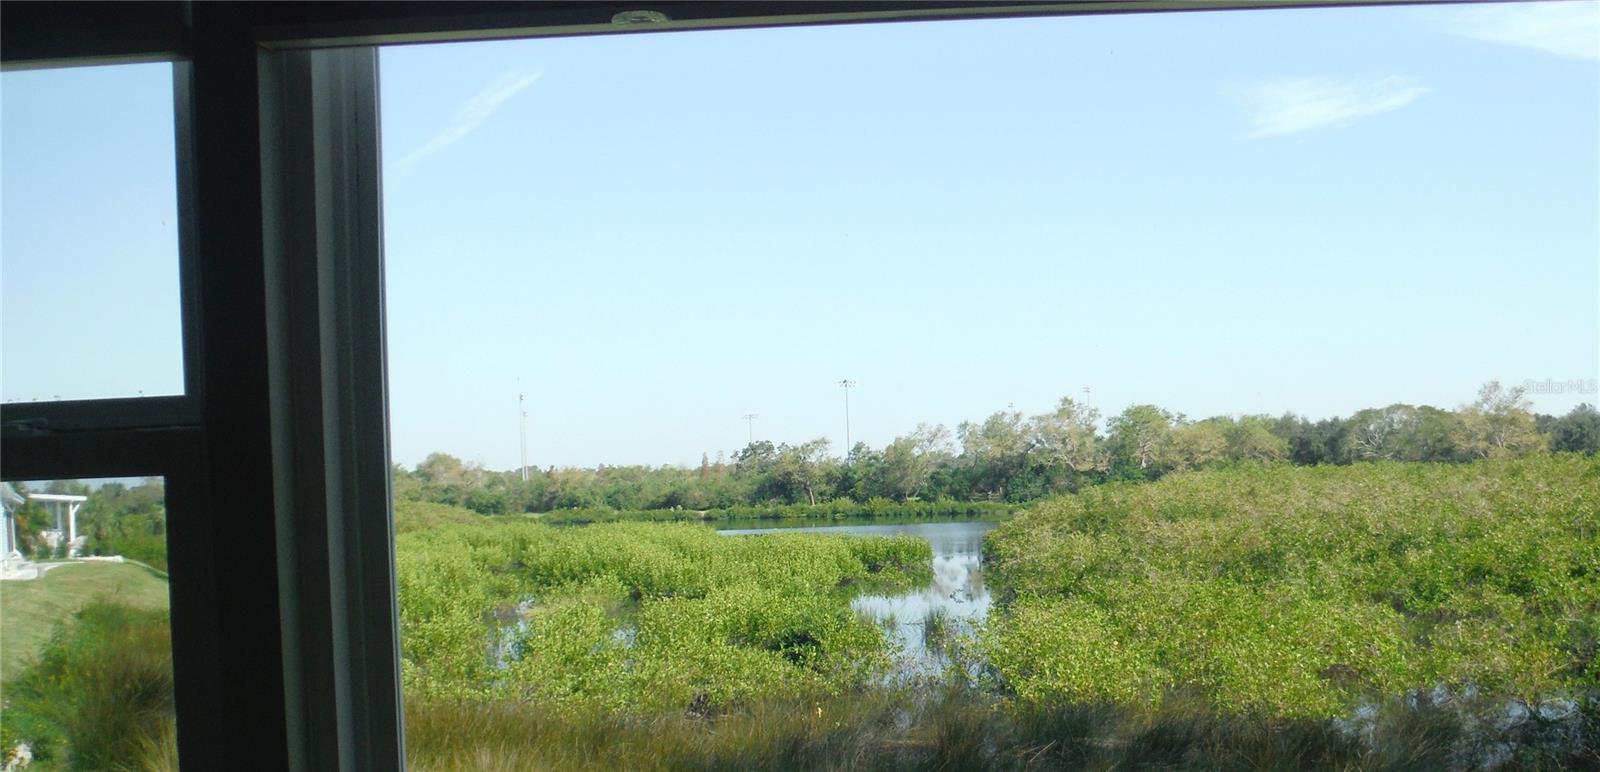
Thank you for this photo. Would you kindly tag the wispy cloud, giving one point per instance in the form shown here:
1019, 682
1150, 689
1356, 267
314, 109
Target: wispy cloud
1570, 29
1289, 105
472, 113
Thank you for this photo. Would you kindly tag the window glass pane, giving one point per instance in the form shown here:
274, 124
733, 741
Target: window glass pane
85, 641
1182, 390
89, 296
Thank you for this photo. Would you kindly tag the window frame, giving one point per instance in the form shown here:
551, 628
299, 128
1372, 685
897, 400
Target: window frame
150, 436
280, 538
197, 643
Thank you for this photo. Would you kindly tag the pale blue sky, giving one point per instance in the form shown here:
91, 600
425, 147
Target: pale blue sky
1314, 211
88, 234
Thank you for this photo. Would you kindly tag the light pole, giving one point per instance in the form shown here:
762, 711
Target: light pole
750, 420
847, 384
522, 418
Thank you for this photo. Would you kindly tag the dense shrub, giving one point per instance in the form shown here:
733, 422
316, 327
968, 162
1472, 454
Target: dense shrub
640, 617
1305, 592
422, 515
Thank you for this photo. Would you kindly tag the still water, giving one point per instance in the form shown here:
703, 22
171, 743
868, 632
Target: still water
954, 600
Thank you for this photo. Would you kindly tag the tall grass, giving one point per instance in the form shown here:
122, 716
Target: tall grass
872, 730
958, 726
937, 629
100, 696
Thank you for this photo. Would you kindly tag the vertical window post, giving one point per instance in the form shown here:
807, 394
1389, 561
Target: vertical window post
322, 212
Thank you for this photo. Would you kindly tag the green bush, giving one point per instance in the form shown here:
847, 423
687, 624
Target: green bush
640, 617
1303, 592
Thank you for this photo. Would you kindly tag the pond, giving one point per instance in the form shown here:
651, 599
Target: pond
921, 620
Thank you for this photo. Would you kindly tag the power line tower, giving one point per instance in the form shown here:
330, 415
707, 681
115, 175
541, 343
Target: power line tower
750, 422
847, 385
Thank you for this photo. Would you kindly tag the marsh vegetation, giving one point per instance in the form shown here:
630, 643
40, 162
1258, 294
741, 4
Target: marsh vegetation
1377, 616
1386, 616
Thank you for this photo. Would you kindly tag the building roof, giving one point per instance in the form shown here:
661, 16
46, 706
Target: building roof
9, 497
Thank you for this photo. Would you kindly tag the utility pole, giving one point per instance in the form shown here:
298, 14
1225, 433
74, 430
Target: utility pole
1086, 402
522, 412
750, 421
847, 384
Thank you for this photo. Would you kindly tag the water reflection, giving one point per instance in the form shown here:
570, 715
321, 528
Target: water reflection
923, 619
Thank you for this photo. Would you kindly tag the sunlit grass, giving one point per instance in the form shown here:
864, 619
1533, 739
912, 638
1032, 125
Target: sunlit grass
30, 610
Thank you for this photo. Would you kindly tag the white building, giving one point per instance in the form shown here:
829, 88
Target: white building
11, 559
65, 508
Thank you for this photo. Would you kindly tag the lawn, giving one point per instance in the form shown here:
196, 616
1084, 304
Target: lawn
30, 610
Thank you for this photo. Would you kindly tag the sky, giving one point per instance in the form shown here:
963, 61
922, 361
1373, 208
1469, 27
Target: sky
652, 235
88, 234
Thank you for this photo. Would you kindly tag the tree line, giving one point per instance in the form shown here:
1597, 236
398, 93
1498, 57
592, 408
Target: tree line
1007, 457
1012, 457
118, 519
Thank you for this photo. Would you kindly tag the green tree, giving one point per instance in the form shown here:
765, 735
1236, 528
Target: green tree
1403, 432
440, 469
127, 521
1139, 437
1251, 439
995, 451
910, 460
1577, 432
488, 502
863, 477
801, 470
1069, 438
755, 458
1374, 433
1323, 442
1498, 423
1198, 445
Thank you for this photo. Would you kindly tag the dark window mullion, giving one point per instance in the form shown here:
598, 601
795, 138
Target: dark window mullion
22, 420
97, 454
